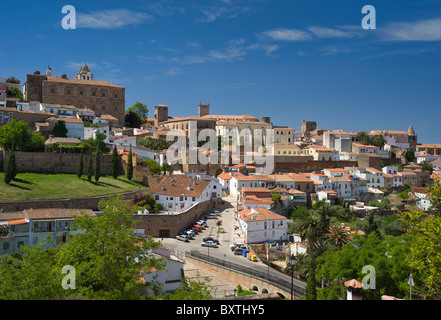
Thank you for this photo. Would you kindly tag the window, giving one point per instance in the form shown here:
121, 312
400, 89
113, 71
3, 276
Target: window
5, 245
94, 93
116, 96
157, 197
193, 199
81, 93
68, 91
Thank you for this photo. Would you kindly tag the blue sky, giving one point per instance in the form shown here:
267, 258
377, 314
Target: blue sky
290, 60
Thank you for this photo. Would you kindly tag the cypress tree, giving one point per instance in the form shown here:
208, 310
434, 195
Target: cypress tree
311, 284
11, 168
130, 165
89, 168
97, 165
80, 165
114, 163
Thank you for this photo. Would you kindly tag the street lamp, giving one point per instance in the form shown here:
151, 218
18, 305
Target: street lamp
292, 262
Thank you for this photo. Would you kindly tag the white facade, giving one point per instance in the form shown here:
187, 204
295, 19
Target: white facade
125, 142
374, 178
179, 201
260, 225
90, 132
238, 182
171, 276
74, 129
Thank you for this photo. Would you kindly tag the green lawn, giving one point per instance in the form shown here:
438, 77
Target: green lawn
27, 186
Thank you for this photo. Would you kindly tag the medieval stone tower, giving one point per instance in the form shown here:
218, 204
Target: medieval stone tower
204, 109
161, 114
412, 136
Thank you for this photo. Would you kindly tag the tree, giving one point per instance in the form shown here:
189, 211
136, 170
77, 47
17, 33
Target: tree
15, 93
387, 257
114, 163
167, 168
60, 129
132, 120
311, 283
13, 80
89, 168
378, 140
425, 252
191, 290
98, 143
15, 135
155, 168
338, 236
109, 258
11, 168
80, 165
130, 165
364, 138
410, 155
97, 166
140, 110
30, 274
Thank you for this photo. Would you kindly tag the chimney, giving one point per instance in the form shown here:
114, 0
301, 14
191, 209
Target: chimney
354, 290
63, 76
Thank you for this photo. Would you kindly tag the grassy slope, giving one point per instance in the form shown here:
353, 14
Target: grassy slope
49, 186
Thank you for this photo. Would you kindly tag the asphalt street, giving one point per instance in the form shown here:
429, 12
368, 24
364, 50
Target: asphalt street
228, 232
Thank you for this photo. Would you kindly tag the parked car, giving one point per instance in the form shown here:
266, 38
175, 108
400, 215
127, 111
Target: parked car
211, 239
237, 251
189, 232
209, 244
198, 227
183, 237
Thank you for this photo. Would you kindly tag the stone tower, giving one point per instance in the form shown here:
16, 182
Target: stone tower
412, 137
204, 109
161, 114
84, 73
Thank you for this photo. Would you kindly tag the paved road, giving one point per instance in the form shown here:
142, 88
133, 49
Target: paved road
230, 234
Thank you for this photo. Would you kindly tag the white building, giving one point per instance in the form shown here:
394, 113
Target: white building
74, 126
58, 109
90, 132
238, 182
173, 273
260, 225
178, 193
126, 142
373, 177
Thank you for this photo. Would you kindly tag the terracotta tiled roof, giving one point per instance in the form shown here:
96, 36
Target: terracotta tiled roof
259, 214
179, 187
52, 213
354, 284
53, 78
254, 178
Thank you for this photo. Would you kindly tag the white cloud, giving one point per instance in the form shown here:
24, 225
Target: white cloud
423, 30
330, 33
174, 72
192, 44
282, 34
111, 19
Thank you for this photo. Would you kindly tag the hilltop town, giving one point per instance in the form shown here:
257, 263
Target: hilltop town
245, 172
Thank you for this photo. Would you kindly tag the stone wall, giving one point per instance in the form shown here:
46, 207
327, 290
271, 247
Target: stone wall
311, 165
54, 162
171, 224
63, 203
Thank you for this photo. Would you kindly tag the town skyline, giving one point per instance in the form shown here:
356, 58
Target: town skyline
309, 61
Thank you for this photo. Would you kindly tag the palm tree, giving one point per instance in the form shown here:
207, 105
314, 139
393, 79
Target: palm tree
338, 236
